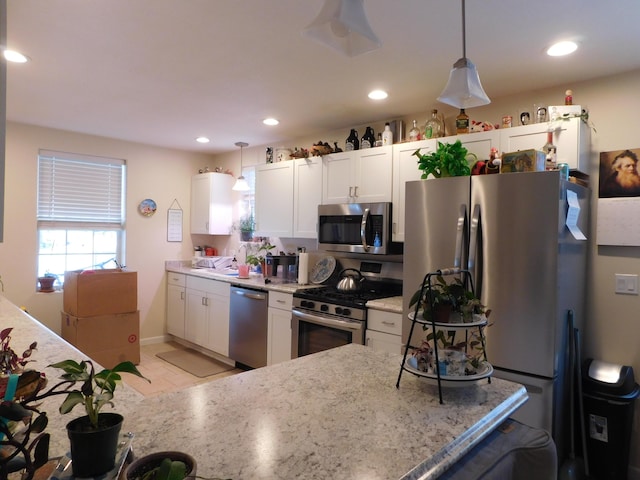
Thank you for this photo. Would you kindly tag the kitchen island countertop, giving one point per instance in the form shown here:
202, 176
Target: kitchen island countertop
335, 414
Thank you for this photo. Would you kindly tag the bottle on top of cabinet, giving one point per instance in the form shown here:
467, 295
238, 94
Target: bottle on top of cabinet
387, 135
379, 140
462, 122
368, 140
352, 142
414, 133
434, 128
550, 150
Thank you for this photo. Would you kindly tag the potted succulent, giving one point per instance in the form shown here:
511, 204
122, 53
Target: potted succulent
94, 436
46, 282
448, 160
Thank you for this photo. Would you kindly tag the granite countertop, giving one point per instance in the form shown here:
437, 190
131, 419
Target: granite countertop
335, 414
389, 304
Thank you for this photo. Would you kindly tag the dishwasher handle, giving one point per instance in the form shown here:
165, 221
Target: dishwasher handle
251, 295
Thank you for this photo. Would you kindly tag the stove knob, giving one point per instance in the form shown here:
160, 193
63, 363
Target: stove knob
338, 310
324, 307
346, 312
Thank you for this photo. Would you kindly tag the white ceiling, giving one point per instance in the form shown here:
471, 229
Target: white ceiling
163, 72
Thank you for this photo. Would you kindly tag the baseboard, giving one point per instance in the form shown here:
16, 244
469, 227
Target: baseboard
152, 340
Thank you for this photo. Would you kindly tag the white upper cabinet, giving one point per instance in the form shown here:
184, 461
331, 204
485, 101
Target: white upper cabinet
211, 203
358, 176
274, 199
307, 195
571, 137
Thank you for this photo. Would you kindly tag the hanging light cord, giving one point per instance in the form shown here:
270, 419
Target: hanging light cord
464, 35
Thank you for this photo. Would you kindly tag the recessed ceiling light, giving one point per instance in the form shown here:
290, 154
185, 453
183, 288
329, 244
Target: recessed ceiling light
202, 140
378, 95
270, 121
16, 57
562, 48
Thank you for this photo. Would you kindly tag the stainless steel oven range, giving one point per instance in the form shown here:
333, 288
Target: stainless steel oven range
324, 317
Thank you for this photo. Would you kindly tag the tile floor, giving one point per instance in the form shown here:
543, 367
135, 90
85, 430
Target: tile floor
164, 376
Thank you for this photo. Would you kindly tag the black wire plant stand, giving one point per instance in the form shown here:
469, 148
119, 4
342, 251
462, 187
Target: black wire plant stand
416, 319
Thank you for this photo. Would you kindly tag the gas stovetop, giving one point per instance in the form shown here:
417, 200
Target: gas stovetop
348, 304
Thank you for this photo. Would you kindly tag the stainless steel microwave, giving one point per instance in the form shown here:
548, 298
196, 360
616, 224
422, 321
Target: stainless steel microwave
356, 228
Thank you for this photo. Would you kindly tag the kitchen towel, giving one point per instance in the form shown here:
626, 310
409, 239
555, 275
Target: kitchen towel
303, 268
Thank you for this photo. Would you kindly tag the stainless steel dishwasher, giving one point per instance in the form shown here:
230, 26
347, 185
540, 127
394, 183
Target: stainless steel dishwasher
248, 319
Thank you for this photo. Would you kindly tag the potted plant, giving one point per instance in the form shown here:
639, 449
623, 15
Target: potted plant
259, 257
46, 282
448, 160
170, 465
94, 436
246, 227
448, 302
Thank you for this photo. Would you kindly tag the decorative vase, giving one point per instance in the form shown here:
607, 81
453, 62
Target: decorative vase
46, 284
147, 463
93, 452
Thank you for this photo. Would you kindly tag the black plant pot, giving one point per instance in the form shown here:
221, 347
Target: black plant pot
246, 236
93, 452
147, 463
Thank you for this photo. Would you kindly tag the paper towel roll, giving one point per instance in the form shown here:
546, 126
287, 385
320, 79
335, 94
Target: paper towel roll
303, 268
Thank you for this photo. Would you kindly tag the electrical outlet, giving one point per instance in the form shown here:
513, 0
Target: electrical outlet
626, 284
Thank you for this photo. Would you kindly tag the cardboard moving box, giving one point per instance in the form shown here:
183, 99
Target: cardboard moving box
107, 339
100, 292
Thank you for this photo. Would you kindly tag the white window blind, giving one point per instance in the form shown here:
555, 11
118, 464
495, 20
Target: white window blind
80, 190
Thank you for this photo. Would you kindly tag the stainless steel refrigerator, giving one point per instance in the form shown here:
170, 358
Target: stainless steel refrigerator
510, 231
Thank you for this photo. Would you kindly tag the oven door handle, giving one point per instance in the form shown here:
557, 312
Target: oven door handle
327, 321
363, 229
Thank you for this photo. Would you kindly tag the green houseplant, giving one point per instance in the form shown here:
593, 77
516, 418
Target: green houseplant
246, 227
94, 436
259, 256
448, 160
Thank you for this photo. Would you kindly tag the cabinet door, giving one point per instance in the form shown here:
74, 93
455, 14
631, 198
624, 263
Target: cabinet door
337, 177
480, 143
176, 302
383, 342
372, 175
196, 317
279, 343
405, 169
200, 204
274, 199
218, 323
307, 195
211, 204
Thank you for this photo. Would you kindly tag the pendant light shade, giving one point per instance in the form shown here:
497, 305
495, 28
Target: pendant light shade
343, 25
464, 89
241, 184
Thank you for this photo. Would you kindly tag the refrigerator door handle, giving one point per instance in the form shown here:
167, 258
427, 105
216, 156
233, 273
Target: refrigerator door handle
473, 239
462, 218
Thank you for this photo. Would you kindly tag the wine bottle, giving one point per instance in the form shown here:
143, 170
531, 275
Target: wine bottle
352, 142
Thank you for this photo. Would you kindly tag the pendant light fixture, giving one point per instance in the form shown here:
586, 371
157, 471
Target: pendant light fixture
464, 89
241, 184
343, 25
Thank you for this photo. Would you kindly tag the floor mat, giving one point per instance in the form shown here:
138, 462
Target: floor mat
194, 362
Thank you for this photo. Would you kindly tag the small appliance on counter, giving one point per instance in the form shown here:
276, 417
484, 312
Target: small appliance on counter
283, 266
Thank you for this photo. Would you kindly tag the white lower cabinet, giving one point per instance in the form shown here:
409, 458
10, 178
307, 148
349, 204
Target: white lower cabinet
384, 331
207, 314
279, 329
176, 301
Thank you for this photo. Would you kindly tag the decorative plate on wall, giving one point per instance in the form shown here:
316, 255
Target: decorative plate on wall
147, 207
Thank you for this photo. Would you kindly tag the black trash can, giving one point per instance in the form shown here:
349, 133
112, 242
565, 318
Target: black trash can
609, 393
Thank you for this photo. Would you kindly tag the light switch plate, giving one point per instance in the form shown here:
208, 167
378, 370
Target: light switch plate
626, 284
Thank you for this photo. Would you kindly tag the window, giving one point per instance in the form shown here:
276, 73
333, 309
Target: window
81, 214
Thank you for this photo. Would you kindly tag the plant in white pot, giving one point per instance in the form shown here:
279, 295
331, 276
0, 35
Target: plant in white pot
89, 455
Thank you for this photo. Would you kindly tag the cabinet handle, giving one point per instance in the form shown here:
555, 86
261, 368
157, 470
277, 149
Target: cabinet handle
355, 191
350, 192
181, 295
205, 301
391, 324
281, 301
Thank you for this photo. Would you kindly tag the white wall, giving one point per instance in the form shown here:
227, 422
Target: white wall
160, 174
